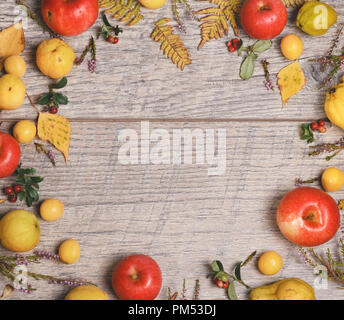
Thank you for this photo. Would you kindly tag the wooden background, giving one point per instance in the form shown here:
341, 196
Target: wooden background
177, 214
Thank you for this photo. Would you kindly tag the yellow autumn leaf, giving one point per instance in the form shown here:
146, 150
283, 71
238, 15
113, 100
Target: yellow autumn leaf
56, 129
12, 42
291, 80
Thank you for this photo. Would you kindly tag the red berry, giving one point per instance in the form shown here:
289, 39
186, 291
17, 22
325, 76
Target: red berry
111, 39
229, 44
314, 126
225, 285
322, 129
231, 49
321, 123
12, 198
115, 40
219, 283
8, 191
236, 43
17, 188
53, 110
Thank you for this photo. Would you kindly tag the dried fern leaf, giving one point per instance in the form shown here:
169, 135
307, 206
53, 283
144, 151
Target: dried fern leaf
214, 25
294, 3
171, 44
124, 10
218, 18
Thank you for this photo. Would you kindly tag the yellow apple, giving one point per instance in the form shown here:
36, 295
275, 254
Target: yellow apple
12, 92
19, 231
153, 4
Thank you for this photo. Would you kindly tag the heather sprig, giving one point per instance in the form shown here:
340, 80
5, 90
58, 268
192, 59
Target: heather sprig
49, 153
335, 62
8, 265
183, 294
175, 9
30, 184
92, 49
299, 182
268, 82
333, 148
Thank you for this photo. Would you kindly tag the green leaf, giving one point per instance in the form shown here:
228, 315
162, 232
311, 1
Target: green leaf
28, 200
21, 195
60, 98
106, 21
237, 271
247, 67
261, 46
231, 292
307, 133
44, 99
37, 179
216, 266
33, 194
61, 84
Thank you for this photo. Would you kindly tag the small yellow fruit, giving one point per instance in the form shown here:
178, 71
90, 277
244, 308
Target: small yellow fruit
19, 231
87, 292
69, 251
55, 58
12, 92
24, 131
291, 46
51, 209
15, 65
315, 18
270, 263
153, 4
332, 179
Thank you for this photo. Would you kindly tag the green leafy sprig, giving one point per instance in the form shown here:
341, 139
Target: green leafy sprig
174, 296
218, 273
52, 98
247, 66
30, 184
307, 133
108, 29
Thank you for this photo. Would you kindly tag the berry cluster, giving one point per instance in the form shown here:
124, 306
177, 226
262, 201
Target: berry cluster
233, 45
112, 39
222, 283
12, 192
318, 125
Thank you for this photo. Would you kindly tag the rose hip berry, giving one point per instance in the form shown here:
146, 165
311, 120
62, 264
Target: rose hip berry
8, 191
321, 123
322, 129
112, 39
225, 285
12, 198
53, 110
314, 126
17, 188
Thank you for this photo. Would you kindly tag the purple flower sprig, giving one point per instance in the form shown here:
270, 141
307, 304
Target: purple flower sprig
40, 254
90, 48
268, 82
299, 182
334, 148
49, 153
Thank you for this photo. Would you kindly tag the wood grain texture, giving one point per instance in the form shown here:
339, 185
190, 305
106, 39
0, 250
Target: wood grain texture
135, 80
179, 215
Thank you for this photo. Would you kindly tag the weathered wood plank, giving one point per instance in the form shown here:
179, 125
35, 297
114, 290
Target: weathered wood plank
177, 214
134, 80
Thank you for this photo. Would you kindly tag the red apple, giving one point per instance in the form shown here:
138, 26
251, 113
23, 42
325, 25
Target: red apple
9, 154
308, 216
69, 17
263, 19
137, 277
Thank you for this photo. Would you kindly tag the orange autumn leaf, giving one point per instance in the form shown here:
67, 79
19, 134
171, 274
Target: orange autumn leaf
12, 42
56, 129
291, 80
